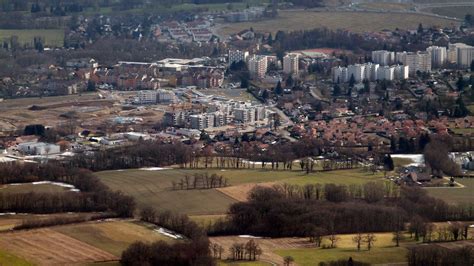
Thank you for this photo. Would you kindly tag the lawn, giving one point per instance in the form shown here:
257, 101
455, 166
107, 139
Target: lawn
455, 195
353, 21
383, 251
10, 259
28, 187
154, 188
113, 237
52, 37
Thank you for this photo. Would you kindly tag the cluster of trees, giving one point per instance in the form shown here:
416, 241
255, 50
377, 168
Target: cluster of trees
194, 251
272, 212
436, 255
437, 158
245, 251
200, 181
61, 220
94, 195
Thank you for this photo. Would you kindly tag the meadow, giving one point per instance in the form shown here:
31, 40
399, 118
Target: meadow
359, 22
154, 188
51, 37
27, 188
454, 11
455, 195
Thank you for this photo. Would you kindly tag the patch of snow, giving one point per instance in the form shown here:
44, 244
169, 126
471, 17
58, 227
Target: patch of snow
168, 233
154, 168
60, 184
249, 236
418, 159
7, 213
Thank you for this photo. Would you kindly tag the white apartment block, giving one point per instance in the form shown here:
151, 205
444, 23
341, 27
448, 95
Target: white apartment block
419, 61
401, 72
357, 71
369, 71
147, 97
438, 55
236, 56
386, 73
257, 65
465, 56
383, 57
339, 74
291, 64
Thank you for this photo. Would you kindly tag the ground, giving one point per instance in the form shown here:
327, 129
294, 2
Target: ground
386, 6
54, 37
10, 259
359, 22
154, 188
7, 222
305, 253
113, 237
455, 195
455, 11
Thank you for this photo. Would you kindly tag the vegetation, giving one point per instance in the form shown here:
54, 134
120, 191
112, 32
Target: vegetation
10, 259
50, 37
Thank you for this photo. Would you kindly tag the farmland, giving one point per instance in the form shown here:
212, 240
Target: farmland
360, 22
455, 195
455, 11
112, 237
53, 37
153, 188
26, 188
48, 247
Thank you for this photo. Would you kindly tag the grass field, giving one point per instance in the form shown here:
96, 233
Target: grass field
354, 21
26, 188
7, 222
455, 195
113, 237
383, 251
455, 11
385, 6
10, 259
53, 37
153, 188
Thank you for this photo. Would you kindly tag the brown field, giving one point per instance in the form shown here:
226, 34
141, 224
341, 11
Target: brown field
353, 21
7, 222
241, 192
48, 247
266, 244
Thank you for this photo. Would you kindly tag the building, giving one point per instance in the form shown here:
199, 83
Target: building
257, 65
401, 72
201, 121
146, 97
383, 57
236, 56
339, 74
465, 56
386, 73
38, 148
290, 64
357, 71
419, 61
438, 55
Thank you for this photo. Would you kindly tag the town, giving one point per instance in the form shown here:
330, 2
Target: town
227, 132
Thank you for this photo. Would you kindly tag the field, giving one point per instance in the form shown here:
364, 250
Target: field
48, 247
53, 38
385, 6
7, 222
455, 195
153, 188
454, 11
358, 22
26, 188
113, 237
10, 259
305, 253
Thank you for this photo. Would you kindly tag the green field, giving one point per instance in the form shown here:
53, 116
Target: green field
154, 188
53, 37
26, 188
113, 237
353, 21
10, 259
384, 251
455, 195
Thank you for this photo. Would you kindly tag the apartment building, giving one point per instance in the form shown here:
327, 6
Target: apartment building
257, 65
438, 55
383, 57
236, 56
291, 64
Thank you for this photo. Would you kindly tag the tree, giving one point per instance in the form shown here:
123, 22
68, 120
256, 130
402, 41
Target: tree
278, 89
358, 240
91, 85
388, 163
244, 83
420, 28
289, 81
370, 239
337, 90
472, 66
460, 84
352, 81
333, 238
288, 260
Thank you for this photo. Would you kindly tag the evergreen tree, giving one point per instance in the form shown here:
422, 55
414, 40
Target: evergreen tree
472, 66
289, 81
244, 83
352, 81
420, 28
460, 83
270, 40
336, 90
278, 89
91, 85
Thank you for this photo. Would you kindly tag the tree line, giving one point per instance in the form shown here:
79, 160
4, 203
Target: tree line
93, 195
437, 255
200, 181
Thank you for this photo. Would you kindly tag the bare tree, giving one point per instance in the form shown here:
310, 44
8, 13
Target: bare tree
288, 260
370, 239
358, 238
333, 238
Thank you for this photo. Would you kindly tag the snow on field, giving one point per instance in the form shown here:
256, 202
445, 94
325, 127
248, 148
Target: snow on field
59, 184
168, 233
249, 236
154, 168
